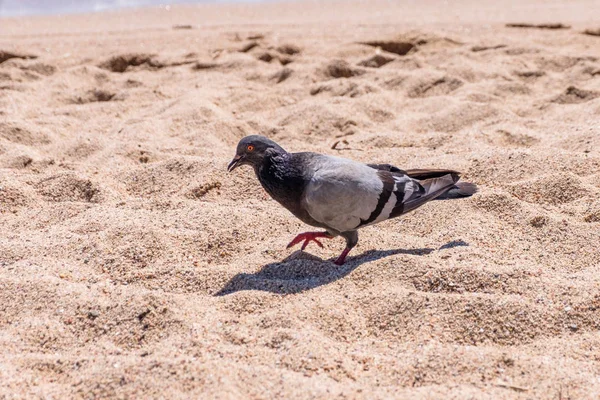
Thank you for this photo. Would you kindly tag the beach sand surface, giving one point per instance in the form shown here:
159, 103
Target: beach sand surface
132, 265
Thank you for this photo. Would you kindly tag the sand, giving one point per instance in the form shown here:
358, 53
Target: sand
132, 265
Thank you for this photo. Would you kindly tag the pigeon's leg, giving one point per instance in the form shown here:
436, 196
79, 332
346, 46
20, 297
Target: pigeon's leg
351, 241
340, 260
308, 237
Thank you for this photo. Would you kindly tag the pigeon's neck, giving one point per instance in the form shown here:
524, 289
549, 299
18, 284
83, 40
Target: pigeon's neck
282, 179
273, 170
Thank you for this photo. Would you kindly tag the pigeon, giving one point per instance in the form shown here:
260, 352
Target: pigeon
341, 195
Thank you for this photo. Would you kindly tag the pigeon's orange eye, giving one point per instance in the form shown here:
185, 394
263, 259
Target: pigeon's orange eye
250, 147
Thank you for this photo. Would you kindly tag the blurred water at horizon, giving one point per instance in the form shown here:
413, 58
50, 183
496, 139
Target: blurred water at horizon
14, 8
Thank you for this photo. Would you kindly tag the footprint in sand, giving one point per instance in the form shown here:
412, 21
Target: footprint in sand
97, 96
391, 46
574, 95
269, 56
39, 68
124, 62
553, 26
266, 57
341, 69
248, 46
529, 75
592, 214
17, 162
283, 53
435, 87
289, 49
592, 32
477, 49
343, 88
7, 55
377, 61
282, 75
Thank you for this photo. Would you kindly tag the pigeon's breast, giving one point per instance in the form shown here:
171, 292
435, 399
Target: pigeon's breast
286, 185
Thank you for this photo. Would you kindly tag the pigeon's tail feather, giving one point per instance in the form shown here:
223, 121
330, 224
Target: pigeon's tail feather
440, 184
414, 187
459, 191
433, 188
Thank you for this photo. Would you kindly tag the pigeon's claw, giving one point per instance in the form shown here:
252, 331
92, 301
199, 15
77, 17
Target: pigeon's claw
307, 237
307, 241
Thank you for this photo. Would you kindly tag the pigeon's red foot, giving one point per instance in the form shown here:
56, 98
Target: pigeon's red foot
340, 260
308, 237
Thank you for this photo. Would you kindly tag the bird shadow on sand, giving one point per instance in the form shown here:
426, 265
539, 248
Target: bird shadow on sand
302, 271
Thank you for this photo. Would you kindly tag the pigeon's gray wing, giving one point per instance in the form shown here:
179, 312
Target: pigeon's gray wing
346, 195
418, 174
342, 193
386, 167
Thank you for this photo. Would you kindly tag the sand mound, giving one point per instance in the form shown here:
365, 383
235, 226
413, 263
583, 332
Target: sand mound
592, 214
319, 120
511, 136
376, 61
69, 187
163, 178
20, 133
551, 189
120, 63
13, 196
457, 117
341, 69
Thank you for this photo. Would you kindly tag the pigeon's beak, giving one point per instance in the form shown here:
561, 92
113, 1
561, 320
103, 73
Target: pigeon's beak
234, 163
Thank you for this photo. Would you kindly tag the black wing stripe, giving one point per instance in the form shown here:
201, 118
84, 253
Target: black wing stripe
400, 192
386, 192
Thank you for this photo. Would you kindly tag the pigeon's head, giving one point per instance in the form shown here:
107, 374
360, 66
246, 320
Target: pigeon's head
252, 150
